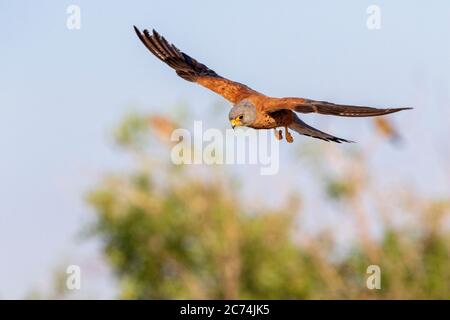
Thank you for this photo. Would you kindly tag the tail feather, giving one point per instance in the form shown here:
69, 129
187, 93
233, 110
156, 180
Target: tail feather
304, 129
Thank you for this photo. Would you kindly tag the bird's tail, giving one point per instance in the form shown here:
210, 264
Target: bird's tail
302, 128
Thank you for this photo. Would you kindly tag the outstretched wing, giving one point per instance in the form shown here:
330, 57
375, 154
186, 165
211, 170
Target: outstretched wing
323, 107
302, 128
191, 70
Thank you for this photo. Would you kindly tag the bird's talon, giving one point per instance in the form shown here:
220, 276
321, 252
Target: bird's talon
278, 134
289, 137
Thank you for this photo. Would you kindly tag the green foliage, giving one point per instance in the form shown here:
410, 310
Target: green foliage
337, 189
132, 130
193, 240
173, 234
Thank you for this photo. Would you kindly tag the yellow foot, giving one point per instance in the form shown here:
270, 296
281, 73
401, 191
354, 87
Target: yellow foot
278, 134
289, 137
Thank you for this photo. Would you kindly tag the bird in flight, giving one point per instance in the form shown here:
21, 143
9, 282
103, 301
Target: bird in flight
251, 108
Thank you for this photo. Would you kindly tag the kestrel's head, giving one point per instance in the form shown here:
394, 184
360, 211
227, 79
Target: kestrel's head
242, 114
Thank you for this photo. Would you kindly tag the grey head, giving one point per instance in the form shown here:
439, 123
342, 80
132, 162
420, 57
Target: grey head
242, 114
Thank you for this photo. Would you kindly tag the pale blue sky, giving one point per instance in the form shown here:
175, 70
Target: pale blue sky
62, 91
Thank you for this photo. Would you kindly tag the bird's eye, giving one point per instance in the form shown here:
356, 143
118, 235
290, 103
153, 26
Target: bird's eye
240, 117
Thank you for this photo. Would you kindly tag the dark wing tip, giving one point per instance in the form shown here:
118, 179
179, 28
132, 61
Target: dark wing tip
340, 140
138, 32
145, 31
394, 110
401, 109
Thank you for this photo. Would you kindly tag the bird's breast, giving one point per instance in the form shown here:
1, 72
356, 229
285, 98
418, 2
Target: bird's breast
282, 118
265, 121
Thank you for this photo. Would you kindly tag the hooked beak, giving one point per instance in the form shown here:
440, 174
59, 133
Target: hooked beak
234, 123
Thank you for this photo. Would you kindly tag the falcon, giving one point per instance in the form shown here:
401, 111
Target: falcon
251, 108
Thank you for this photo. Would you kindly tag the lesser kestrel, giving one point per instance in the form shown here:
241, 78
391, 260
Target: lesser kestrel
251, 108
